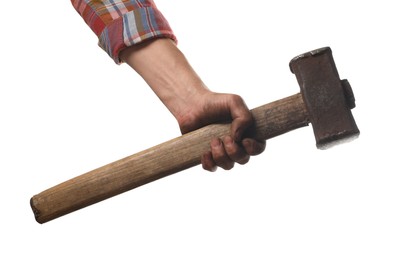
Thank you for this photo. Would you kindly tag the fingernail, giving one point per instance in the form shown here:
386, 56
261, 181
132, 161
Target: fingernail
238, 135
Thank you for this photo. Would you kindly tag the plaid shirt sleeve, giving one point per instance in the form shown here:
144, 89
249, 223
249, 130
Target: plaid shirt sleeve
123, 23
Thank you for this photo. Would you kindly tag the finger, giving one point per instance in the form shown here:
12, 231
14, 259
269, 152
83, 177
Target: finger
253, 147
241, 118
234, 151
208, 162
219, 154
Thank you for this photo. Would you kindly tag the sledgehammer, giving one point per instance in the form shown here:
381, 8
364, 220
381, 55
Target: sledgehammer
325, 101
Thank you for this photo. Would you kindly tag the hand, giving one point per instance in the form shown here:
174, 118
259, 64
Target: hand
213, 108
166, 70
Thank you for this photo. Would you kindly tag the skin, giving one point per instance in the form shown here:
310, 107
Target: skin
166, 70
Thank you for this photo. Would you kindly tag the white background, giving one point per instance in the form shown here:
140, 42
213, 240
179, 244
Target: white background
66, 108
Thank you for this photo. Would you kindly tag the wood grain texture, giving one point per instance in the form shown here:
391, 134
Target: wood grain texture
159, 161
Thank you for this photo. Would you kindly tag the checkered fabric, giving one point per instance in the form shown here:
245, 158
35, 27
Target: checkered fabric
122, 23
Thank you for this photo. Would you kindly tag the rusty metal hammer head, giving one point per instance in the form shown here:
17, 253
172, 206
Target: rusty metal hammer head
328, 99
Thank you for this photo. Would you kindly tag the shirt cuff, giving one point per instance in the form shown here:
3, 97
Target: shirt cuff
132, 28
120, 24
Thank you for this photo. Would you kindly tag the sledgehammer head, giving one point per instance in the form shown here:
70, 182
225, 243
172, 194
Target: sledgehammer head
328, 99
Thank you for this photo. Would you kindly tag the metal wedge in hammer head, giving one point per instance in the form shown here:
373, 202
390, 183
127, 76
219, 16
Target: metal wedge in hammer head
328, 99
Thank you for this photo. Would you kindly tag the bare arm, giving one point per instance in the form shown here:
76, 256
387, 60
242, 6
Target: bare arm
150, 50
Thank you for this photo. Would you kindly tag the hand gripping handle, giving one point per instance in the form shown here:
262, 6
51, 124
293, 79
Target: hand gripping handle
160, 161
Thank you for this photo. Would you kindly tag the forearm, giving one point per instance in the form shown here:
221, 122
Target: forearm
166, 70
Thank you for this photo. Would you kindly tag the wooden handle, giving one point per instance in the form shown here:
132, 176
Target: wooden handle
159, 161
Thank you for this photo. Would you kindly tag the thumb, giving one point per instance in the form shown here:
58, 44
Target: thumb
241, 118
